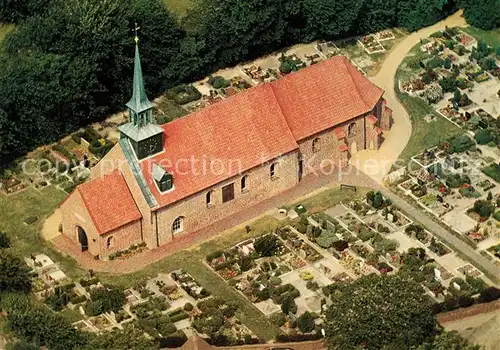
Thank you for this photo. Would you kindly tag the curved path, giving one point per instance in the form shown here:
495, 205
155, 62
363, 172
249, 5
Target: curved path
395, 142
378, 163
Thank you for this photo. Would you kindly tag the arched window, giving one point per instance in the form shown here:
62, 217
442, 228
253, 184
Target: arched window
109, 242
315, 145
209, 198
244, 183
178, 225
272, 170
351, 130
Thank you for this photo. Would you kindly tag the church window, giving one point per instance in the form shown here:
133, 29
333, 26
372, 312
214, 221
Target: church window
315, 145
178, 225
109, 242
228, 193
272, 170
351, 130
209, 198
244, 183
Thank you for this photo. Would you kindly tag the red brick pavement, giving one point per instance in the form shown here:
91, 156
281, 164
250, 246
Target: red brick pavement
306, 186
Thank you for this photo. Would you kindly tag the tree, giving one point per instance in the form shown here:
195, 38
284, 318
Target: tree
234, 30
379, 311
4, 240
288, 305
484, 14
39, 325
376, 15
108, 298
483, 136
131, 337
330, 18
326, 239
415, 14
14, 275
306, 322
12, 11
266, 245
449, 340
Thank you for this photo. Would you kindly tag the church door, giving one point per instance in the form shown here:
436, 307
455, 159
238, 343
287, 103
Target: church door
82, 238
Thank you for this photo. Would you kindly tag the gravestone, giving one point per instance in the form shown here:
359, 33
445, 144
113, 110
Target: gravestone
437, 273
302, 253
456, 286
390, 217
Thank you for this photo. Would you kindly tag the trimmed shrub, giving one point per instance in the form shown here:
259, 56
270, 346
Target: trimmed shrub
278, 319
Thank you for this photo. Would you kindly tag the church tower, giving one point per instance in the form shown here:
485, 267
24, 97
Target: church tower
145, 136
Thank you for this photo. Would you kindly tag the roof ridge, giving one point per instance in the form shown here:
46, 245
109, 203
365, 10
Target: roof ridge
281, 112
360, 95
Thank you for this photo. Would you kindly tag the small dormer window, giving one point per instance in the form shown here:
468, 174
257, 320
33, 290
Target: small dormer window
164, 180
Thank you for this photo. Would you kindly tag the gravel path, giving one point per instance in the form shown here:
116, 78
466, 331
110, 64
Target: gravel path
378, 163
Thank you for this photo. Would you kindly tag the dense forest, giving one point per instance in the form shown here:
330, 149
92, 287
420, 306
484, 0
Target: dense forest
69, 62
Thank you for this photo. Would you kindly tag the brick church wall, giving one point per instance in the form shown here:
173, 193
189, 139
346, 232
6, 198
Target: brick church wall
74, 214
259, 186
121, 238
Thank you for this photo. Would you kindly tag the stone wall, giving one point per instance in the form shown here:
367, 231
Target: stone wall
121, 239
74, 214
259, 186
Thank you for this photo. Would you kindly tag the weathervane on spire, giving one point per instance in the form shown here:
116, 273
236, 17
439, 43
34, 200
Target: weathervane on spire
136, 29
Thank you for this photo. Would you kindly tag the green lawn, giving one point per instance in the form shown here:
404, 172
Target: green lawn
26, 239
424, 135
4, 29
491, 37
191, 261
179, 7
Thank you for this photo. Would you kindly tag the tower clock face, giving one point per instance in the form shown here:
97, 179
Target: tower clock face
150, 147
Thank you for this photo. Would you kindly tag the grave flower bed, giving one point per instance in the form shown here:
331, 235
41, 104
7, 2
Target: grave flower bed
217, 320
418, 232
438, 248
361, 208
189, 284
260, 286
183, 94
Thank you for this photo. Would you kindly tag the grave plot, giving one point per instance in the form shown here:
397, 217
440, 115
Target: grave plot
262, 288
469, 270
385, 35
371, 45
298, 245
267, 250
189, 285
327, 48
217, 319
417, 232
259, 75
290, 63
438, 248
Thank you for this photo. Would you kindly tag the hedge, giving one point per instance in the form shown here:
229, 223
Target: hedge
183, 94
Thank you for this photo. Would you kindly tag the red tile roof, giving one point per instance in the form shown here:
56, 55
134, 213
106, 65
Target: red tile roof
371, 119
378, 131
324, 95
258, 125
343, 148
109, 202
238, 133
339, 133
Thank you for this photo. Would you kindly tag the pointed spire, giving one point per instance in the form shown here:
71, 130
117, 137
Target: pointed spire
139, 101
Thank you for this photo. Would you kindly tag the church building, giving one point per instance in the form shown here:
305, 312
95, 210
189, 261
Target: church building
161, 182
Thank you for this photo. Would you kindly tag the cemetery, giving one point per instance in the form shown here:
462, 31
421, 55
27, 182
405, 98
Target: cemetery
459, 77
456, 182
